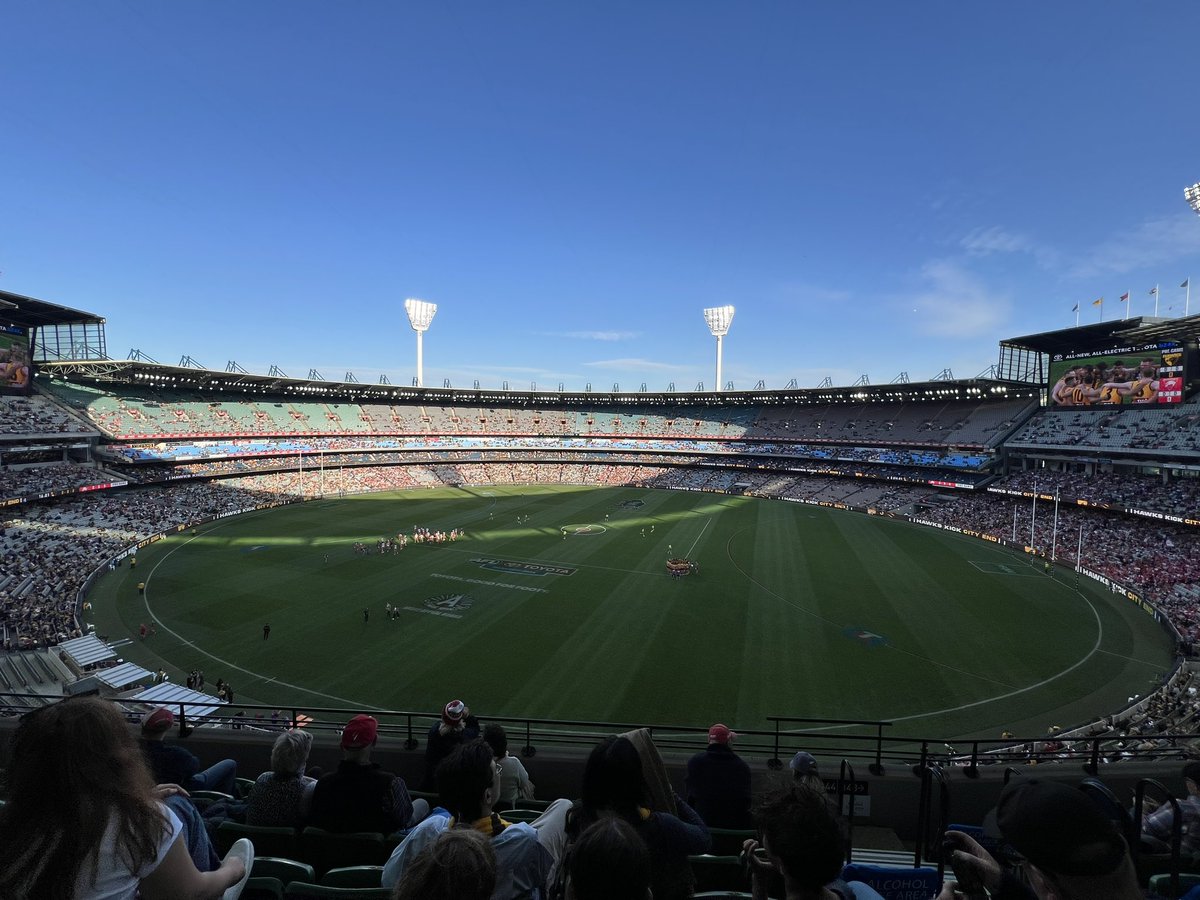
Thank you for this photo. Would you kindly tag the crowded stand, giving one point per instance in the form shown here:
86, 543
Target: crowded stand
1179, 496
36, 415
1171, 431
22, 482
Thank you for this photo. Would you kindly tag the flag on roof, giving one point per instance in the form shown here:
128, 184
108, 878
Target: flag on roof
1153, 290
1075, 308
1185, 282
1099, 302
1124, 297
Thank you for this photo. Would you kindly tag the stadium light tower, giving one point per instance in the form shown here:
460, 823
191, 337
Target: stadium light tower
1192, 196
420, 314
718, 319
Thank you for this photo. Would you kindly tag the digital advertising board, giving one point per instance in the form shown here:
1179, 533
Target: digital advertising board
15, 360
1143, 375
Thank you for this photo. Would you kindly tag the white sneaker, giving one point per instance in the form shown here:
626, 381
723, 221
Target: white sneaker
244, 850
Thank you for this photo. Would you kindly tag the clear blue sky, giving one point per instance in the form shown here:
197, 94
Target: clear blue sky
877, 187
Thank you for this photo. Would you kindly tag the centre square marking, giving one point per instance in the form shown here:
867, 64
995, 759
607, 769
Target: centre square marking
513, 567
995, 568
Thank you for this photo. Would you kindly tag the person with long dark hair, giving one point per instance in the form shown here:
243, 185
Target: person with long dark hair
614, 784
85, 820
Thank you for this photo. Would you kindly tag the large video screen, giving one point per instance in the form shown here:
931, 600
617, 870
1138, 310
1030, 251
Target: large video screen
15, 362
1146, 375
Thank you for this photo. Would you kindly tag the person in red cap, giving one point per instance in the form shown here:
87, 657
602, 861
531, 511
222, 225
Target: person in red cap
173, 764
456, 727
360, 795
718, 782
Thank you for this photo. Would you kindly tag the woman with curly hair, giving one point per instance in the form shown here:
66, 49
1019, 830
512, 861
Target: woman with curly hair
84, 819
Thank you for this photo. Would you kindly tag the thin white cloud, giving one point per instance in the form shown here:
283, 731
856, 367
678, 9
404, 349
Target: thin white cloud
594, 335
994, 239
1150, 243
955, 303
636, 365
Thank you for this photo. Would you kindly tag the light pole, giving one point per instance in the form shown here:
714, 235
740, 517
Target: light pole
1192, 196
420, 314
718, 319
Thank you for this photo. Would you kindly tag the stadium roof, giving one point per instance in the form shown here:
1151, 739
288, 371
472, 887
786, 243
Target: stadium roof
1135, 330
87, 650
20, 310
153, 376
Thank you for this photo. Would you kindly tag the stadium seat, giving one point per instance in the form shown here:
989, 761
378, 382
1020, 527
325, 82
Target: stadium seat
719, 873
354, 877
727, 841
263, 889
1161, 884
325, 850
284, 870
538, 805
242, 786
298, 889
520, 815
894, 882
270, 841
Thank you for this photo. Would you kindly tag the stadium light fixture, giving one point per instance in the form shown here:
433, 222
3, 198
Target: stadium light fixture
1192, 196
420, 315
718, 319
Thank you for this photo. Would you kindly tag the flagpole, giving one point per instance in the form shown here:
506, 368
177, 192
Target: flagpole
1076, 315
1128, 303
1014, 523
1188, 298
1033, 518
1156, 301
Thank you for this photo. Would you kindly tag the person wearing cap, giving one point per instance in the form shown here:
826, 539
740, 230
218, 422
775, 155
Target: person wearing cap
718, 782
456, 727
468, 782
173, 764
804, 772
360, 795
1072, 849
1157, 821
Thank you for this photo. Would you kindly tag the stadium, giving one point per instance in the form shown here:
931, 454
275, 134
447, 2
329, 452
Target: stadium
911, 577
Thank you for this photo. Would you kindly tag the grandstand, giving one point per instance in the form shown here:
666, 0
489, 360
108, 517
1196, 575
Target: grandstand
107, 455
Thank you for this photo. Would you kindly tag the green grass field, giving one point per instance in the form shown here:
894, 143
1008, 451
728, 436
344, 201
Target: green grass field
797, 611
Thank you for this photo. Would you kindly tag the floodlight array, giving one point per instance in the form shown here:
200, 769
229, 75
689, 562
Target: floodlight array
420, 313
718, 319
1192, 196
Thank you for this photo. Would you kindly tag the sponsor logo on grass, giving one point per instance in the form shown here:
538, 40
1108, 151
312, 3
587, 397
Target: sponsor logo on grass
256, 548
512, 567
450, 603
631, 504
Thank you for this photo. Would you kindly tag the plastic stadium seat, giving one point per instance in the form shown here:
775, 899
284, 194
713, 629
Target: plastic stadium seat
284, 870
242, 786
326, 850
719, 873
729, 841
354, 877
263, 889
895, 882
520, 815
1161, 884
298, 889
267, 840
539, 805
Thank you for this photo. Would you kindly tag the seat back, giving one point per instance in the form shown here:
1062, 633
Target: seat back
286, 870
354, 877
895, 883
267, 840
325, 850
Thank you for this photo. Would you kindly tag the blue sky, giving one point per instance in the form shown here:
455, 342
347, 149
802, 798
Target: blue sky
877, 187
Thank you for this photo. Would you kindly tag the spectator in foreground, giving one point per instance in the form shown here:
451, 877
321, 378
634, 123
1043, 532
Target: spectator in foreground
514, 780
85, 820
469, 783
1158, 821
360, 795
173, 764
1072, 850
459, 865
281, 797
804, 840
456, 727
609, 861
614, 785
718, 782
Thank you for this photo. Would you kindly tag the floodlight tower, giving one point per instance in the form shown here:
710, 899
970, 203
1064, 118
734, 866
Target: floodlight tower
1192, 196
420, 314
718, 319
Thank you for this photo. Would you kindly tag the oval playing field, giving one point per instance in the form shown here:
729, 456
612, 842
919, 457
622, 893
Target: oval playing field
557, 604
